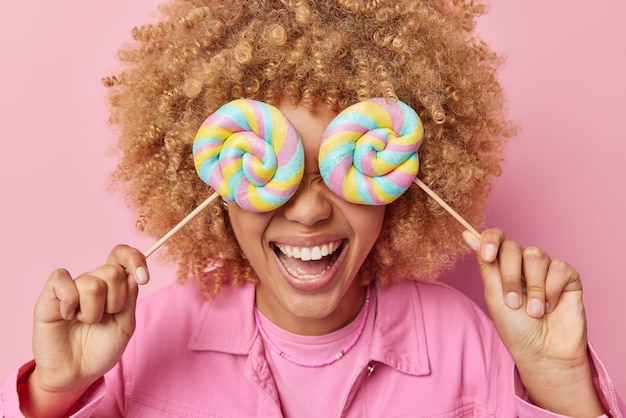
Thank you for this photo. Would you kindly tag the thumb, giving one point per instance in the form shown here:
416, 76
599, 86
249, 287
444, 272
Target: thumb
487, 260
126, 317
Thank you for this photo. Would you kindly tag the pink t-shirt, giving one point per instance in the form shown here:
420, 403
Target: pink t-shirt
301, 395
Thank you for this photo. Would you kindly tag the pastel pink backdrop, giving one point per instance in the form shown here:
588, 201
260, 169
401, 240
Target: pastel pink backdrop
562, 189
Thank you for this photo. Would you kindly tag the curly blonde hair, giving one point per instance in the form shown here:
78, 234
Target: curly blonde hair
204, 53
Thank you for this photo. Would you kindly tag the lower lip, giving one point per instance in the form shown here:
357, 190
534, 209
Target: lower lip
318, 283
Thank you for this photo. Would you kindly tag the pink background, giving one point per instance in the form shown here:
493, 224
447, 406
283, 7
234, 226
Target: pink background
563, 188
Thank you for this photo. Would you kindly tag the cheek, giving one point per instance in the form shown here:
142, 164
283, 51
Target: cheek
367, 222
376, 224
248, 227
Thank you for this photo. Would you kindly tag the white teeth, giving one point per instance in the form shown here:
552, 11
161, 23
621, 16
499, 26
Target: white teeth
309, 253
305, 254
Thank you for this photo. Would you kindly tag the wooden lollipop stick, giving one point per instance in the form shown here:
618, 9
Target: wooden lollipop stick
211, 198
182, 223
447, 207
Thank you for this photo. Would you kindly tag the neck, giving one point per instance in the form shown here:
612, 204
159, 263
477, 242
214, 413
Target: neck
312, 314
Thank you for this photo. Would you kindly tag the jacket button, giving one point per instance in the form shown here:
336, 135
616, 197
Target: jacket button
370, 368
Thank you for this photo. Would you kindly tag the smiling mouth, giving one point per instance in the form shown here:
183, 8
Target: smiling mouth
307, 263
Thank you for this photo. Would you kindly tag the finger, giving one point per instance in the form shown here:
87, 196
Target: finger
132, 260
120, 297
59, 298
126, 317
561, 278
116, 280
490, 271
92, 293
490, 241
535, 268
510, 259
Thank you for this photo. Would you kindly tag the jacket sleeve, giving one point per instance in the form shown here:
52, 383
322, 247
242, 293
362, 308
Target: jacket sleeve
611, 401
9, 400
102, 397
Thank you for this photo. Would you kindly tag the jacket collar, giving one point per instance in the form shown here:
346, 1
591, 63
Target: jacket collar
393, 342
232, 309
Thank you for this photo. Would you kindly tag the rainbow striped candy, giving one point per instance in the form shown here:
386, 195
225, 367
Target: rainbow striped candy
368, 153
248, 152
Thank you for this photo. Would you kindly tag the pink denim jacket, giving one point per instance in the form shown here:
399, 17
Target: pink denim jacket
433, 354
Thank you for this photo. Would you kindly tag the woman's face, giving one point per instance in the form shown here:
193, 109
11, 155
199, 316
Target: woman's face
307, 252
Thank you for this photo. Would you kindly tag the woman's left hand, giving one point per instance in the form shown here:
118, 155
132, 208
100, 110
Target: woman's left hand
537, 307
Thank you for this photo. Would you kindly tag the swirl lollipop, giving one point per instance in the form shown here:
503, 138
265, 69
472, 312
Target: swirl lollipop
368, 153
248, 152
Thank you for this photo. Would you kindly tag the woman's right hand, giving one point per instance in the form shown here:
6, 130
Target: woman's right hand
81, 328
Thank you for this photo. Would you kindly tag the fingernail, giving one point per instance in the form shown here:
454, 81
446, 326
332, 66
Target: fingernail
513, 300
141, 274
471, 240
535, 308
70, 315
489, 253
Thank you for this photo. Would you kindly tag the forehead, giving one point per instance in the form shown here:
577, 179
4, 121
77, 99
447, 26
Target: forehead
310, 125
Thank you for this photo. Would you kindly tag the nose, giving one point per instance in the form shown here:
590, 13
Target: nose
310, 204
